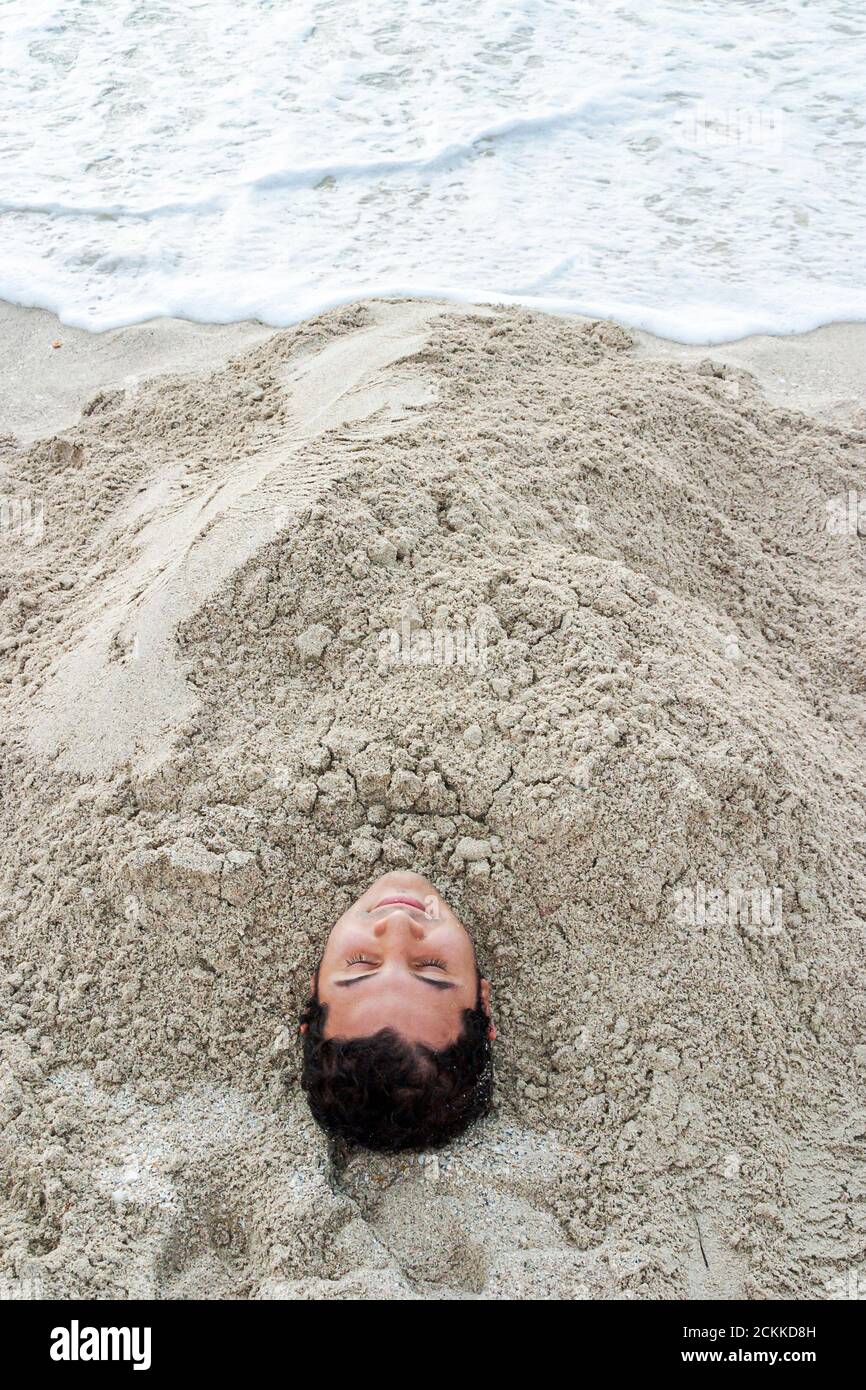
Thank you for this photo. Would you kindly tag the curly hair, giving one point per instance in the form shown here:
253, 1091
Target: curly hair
386, 1093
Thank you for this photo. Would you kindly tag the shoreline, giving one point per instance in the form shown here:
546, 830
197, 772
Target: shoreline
821, 372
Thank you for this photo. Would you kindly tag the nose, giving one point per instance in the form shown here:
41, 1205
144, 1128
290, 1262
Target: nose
399, 921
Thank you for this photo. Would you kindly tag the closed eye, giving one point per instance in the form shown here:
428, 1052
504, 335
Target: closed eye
422, 979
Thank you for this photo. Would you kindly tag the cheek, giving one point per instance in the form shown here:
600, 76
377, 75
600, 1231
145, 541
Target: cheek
340, 941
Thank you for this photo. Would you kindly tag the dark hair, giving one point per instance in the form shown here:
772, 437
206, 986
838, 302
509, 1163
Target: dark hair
386, 1093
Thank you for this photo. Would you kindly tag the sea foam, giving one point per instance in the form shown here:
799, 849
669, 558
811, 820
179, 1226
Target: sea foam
694, 167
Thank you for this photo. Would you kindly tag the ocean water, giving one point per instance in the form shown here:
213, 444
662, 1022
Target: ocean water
694, 167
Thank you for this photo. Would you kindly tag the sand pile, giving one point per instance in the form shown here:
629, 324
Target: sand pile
489, 595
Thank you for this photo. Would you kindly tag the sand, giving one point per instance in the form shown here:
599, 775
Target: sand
547, 611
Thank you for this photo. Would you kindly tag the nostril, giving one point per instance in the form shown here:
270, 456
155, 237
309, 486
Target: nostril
398, 920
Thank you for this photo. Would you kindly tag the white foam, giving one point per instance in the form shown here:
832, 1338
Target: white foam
692, 167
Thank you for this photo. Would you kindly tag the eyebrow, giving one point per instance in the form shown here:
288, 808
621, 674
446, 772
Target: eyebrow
434, 984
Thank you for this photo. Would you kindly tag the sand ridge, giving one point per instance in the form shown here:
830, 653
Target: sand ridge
668, 696
117, 693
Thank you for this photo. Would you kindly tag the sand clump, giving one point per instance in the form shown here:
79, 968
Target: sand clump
489, 595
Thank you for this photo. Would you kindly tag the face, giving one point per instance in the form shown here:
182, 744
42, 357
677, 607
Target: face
400, 959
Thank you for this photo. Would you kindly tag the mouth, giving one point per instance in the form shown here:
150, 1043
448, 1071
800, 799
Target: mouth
401, 900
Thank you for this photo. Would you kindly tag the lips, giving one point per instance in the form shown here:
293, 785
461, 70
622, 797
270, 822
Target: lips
401, 900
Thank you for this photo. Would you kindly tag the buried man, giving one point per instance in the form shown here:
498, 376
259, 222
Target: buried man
397, 1029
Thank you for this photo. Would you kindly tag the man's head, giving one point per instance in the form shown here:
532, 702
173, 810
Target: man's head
397, 1030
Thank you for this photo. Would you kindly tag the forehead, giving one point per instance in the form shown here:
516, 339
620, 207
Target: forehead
416, 1013
404, 998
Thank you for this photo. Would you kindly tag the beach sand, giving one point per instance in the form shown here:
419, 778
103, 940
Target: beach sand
635, 766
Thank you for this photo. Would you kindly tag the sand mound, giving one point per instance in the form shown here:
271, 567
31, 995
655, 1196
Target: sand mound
489, 595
